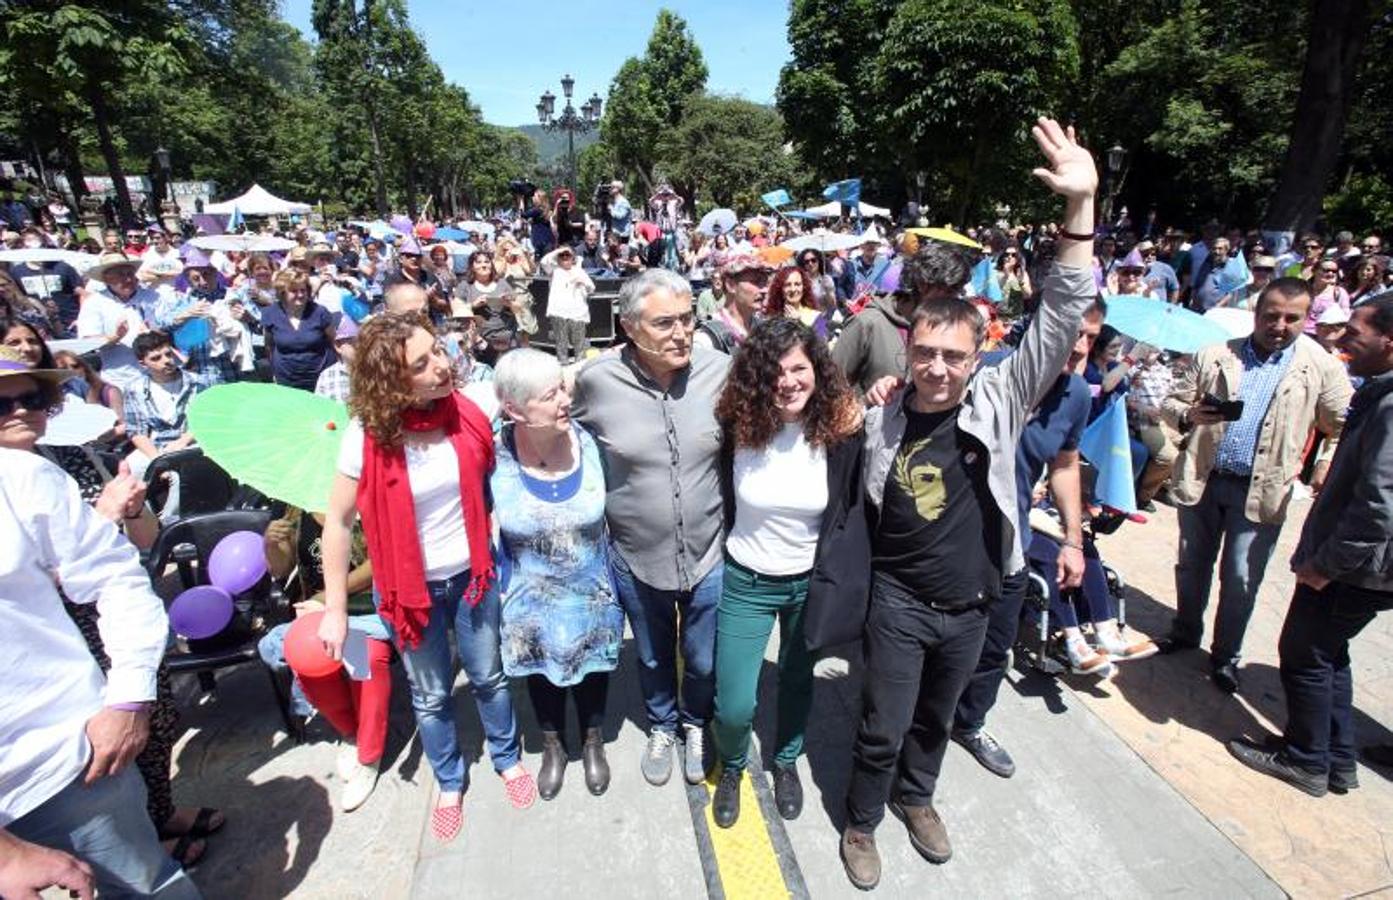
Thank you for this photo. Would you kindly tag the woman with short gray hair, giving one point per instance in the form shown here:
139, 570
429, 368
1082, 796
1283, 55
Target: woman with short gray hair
561, 622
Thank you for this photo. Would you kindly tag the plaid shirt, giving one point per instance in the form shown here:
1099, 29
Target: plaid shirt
1256, 388
333, 383
210, 358
143, 416
1151, 384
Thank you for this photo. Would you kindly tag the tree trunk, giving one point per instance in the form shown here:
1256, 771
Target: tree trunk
96, 95
1335, 39
72, 167
374, 127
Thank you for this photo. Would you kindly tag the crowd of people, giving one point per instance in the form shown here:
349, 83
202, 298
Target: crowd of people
877, 444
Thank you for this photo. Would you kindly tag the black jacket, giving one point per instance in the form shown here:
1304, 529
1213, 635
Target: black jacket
840, 583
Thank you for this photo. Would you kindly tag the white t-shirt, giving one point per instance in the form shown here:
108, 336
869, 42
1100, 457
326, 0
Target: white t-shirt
780, 497
433, 471
166, 397
166, 266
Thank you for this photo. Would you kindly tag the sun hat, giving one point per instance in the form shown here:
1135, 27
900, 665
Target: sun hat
1265, 262
1334, 314
11, 363
108, 261
195, 258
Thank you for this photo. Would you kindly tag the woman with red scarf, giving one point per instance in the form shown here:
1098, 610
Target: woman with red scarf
414, 464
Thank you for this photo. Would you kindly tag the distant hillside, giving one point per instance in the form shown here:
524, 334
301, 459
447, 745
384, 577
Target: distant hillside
551, 145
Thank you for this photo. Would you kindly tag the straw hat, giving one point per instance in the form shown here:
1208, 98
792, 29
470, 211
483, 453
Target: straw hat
12, 364
108, 261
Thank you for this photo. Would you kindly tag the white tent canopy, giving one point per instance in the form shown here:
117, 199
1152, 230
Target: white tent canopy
834, 208
257, 201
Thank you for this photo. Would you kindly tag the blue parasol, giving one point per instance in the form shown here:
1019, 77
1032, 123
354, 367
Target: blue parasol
1163, 325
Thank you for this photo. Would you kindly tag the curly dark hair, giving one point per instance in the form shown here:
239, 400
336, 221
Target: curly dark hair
775, 304
380, 386
746, 408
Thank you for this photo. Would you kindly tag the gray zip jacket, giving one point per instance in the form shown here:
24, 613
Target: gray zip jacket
998, 401
1348, 534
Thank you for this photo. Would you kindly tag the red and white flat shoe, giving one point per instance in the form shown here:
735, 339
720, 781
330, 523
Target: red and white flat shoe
520, 788
446, 822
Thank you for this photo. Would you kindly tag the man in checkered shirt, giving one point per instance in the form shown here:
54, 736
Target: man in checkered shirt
1233, 479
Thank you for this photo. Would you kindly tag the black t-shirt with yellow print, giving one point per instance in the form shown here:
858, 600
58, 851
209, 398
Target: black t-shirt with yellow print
939, 534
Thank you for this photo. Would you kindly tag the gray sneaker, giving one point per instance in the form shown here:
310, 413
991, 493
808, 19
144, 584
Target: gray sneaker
657, 757
694, 762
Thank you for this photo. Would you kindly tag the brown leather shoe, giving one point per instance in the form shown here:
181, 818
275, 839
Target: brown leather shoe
592, 755
553, 770
860, 858
926, 831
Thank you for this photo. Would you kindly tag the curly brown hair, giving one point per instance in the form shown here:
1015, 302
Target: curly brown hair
380, 385
746, 408
775, 303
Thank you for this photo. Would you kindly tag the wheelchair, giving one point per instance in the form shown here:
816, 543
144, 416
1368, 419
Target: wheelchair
1039, 645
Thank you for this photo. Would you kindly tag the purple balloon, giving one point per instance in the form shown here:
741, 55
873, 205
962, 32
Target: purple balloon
201, 611
400, 223
237, 562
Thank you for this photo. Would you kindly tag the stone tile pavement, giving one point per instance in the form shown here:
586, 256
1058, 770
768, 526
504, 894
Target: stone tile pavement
1123, 788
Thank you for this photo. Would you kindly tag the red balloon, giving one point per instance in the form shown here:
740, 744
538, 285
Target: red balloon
304, 651
425, 230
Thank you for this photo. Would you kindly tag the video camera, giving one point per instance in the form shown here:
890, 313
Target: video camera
522, 187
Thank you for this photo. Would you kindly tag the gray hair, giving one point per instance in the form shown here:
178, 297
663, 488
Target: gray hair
649, 281
524, 373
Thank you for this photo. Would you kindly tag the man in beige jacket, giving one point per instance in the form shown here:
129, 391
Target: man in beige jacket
1234, 476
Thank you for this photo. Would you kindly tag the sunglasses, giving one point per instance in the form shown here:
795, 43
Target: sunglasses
1329, 271
1313, 246
33, 401
1011, 253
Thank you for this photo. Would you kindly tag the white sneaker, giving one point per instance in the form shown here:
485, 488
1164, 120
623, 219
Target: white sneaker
346, 762
1120, 649
358, 786
694, 761
1084, 660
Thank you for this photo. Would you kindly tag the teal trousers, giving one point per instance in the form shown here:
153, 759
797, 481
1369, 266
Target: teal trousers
749, 606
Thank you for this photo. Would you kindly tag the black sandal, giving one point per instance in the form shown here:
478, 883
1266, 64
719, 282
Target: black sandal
180, 853
202, 826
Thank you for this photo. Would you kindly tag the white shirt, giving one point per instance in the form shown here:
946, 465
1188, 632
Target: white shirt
570, 294
780, 497
52, 685
100, 315
433, 470
164, 266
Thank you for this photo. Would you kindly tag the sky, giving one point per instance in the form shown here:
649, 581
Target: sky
507, 53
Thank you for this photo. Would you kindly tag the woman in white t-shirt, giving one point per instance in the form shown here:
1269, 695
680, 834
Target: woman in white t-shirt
414, 463
791, 464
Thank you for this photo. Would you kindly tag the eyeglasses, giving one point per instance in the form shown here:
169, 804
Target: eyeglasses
1313, 246
32, 401
666, 324
921, 357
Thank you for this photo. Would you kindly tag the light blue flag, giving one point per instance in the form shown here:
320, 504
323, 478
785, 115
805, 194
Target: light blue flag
1105, 445
1235, 275
236, 221
848, 192
777, 198
984, 282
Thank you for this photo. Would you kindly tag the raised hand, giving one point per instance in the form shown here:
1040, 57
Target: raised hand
1072, 172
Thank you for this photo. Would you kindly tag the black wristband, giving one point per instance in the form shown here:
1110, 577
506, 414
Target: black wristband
1074, 236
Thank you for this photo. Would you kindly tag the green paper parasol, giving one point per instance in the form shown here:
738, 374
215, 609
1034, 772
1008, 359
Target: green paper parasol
282, 441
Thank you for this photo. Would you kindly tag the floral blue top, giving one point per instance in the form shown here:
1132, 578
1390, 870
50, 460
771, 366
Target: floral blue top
561, 617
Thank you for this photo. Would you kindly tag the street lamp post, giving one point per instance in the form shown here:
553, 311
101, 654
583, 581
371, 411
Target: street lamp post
571, 120
1115, 157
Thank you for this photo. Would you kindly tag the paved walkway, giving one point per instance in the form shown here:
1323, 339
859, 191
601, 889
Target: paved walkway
1123, 788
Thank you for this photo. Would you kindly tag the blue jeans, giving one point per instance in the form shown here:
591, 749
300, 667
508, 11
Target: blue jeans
653, 617
431, 671
1247, 546
105, 825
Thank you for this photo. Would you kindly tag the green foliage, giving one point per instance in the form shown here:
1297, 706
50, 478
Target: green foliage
1363, 203
650, 94
726, 150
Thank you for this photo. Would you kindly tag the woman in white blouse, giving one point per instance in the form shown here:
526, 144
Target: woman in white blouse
791, 478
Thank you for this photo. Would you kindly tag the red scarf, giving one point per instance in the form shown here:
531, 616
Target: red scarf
389, 513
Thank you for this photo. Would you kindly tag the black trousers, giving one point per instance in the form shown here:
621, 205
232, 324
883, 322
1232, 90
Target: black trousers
549, 701
917, 660
979, 696
1314, 652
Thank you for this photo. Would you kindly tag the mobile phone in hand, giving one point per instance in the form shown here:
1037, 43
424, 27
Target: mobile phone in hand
1228, 410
